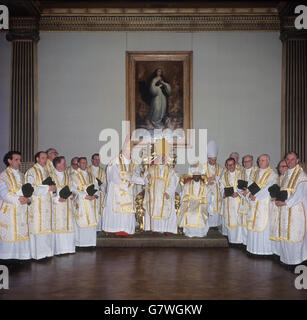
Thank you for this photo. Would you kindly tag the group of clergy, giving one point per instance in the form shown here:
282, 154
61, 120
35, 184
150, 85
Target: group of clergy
53, 209
261, 209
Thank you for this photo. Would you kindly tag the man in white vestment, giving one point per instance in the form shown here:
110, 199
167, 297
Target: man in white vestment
196, 197
159, 200
293, 214
246, 174
213, 172
119, 211
51, 155
85, 205
14, 210
73, 166
63, 225
99, 175
260, 208
230, 203
299, 197
275, 215
40, 222
234, 155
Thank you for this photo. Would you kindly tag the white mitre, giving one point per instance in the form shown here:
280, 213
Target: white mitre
212, 149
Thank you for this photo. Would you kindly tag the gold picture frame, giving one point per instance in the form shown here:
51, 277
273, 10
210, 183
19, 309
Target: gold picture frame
170, 73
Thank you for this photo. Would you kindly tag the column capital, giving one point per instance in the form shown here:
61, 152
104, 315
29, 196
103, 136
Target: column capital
288, 30
293, 35
23, 29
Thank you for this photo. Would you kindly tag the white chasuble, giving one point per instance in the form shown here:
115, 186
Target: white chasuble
230, 205
156, 203
41, 217
49, 167
246, 175
275, 217
293, 220
215, 171
63, 211
124, 191
259, 214
99, 173
14, 228
70, 171
260, 209
13, 216
160, 212
119, 210
63, 216
194, 205
230, 217
295, 253
41, 206
275, 223
85, 211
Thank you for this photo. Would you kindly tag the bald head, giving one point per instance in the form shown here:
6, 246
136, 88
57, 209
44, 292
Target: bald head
263, 161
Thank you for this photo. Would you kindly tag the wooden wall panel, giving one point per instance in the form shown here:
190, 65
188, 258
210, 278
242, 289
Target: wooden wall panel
23, 99
294, 99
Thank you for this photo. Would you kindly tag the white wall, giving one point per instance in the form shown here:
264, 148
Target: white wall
236, 87
5, 67
237, 91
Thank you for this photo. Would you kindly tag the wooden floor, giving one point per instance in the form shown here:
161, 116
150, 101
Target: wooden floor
152, 273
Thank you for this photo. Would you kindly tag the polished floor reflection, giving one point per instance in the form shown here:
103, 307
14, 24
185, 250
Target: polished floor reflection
153, 273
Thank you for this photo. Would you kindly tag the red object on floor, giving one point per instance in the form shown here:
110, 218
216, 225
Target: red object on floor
122, 234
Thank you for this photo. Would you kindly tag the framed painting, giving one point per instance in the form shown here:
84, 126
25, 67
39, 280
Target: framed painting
159, 93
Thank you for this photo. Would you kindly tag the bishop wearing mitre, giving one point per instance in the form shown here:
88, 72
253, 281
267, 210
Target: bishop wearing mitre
63, 208
40, 221
14, 210
196, 197
119, 210
85, 187
159, 199
100, 177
